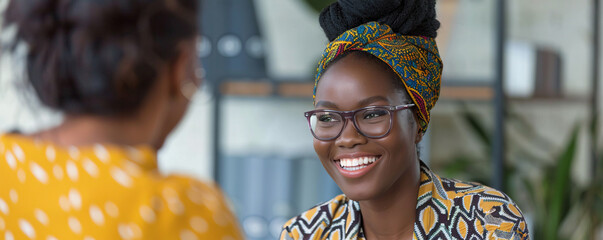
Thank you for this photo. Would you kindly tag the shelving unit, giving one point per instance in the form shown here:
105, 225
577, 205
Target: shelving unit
304, 90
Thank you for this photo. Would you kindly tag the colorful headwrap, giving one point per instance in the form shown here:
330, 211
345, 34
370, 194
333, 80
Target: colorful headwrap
415, 59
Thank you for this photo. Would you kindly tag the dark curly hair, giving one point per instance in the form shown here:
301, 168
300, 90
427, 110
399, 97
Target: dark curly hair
99, 56
406, 17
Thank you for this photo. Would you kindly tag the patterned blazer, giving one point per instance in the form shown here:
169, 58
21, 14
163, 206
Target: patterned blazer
446, 209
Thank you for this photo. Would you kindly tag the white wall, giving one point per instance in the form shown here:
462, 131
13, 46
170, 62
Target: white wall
250, 126
561, 25
294, 37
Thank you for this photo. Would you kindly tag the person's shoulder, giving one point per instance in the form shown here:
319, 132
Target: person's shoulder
179, 205
457, 188
175, 205
200, 205
314, 219
191, 192
495, 209
321, 212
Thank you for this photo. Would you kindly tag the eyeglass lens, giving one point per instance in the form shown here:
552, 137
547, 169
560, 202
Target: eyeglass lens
372, 122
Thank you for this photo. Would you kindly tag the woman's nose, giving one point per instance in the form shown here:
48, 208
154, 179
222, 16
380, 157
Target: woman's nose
350, 136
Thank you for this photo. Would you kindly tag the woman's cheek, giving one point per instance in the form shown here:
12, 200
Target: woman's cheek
321, 148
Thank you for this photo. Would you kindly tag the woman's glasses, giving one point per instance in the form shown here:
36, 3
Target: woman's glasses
371, 122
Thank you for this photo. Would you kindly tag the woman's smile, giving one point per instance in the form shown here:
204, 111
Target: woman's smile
355, 165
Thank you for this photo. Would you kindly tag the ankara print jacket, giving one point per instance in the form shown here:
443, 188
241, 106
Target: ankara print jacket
446, 209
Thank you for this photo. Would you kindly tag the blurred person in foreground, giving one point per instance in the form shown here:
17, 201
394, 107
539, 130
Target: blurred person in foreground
377, 81
122, 73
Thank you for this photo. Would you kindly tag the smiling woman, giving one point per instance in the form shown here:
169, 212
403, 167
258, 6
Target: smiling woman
376, 84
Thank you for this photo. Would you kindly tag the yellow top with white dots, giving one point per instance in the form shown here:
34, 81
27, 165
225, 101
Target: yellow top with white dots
103, 192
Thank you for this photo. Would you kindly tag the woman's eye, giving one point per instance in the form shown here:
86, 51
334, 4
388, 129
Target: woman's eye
374, 114
325, 118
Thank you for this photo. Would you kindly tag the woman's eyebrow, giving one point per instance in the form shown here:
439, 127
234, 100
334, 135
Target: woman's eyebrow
362, 103
326, 104
372, 99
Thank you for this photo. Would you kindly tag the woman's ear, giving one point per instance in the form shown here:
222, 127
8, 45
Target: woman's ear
419, 136
417, 124
178, 70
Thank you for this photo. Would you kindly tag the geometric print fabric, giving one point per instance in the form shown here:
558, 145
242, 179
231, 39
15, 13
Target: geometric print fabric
446, 209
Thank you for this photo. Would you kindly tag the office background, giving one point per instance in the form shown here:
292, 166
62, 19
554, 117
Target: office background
246, 128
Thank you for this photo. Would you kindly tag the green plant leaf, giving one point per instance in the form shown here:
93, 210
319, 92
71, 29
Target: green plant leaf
557, 209
476, 126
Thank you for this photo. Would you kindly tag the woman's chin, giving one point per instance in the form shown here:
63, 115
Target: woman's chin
359, 194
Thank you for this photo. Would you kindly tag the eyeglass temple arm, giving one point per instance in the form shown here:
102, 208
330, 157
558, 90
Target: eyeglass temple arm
403, 106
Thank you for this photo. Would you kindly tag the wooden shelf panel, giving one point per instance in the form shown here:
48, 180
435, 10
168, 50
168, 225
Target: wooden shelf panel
304, 90
466, 93
257, 89
295, 89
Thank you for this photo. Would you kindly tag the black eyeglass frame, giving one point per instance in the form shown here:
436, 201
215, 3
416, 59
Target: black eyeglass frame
350, 115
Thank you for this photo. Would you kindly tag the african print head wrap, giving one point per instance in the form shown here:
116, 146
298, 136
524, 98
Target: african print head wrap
415, 60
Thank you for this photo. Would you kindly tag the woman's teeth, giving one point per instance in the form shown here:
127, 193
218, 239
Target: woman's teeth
353, 164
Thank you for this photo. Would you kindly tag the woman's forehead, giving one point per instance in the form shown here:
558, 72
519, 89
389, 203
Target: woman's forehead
352, 80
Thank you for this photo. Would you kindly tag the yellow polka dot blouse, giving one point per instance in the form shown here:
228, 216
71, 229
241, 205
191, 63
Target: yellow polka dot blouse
102, 192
